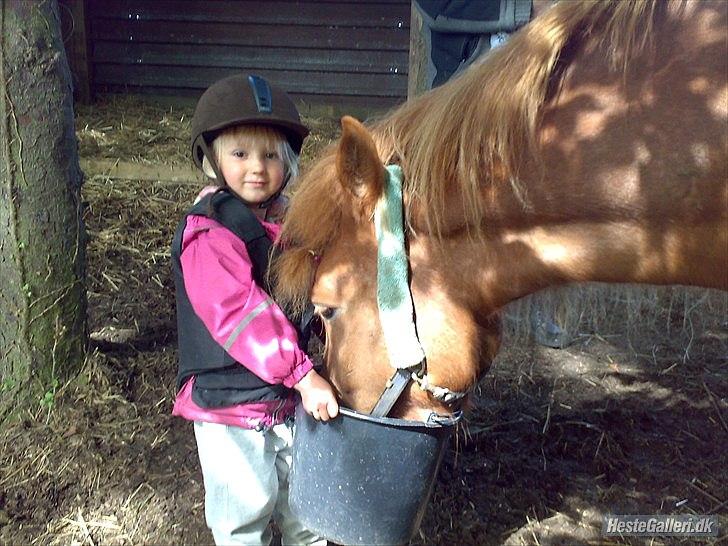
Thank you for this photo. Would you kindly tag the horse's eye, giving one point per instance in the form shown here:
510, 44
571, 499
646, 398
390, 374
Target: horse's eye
326, 313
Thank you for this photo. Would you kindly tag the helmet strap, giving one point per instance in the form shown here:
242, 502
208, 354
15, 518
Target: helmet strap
211, 160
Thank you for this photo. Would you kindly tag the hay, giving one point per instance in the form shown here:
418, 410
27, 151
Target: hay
127, 128
130, 226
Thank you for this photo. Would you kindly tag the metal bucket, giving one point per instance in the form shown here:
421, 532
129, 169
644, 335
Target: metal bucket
364, 480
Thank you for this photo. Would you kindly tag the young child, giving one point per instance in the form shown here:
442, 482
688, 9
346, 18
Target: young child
239, 357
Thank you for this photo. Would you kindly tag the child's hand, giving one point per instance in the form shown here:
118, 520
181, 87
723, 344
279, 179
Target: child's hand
317, 396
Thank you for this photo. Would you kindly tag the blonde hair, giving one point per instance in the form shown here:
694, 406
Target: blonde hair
271, 136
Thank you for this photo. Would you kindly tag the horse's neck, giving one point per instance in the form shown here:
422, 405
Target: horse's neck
508, 263
631, 224
633, 228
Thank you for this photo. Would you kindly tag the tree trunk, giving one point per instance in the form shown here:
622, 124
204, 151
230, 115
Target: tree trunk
42, 240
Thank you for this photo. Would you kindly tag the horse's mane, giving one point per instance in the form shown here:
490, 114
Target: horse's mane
465, 130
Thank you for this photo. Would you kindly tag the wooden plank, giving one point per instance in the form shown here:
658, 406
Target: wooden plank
396, 39
418, 57
129, 170
359, 14
74, 25
344, 103
322, 51
277, 58
338, 83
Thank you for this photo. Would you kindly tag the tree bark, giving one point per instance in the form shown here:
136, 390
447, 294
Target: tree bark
42, 239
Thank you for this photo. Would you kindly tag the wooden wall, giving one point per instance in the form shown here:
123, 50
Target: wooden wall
321, 51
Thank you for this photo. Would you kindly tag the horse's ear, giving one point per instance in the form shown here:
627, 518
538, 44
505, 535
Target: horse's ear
358, 165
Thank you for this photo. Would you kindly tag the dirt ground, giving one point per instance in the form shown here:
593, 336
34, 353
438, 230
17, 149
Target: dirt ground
630, 418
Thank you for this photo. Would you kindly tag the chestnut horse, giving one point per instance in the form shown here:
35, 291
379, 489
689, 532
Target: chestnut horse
591, 147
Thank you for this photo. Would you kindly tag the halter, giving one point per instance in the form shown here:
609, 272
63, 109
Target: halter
394, 299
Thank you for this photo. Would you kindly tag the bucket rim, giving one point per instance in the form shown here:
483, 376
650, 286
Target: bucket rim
436, 420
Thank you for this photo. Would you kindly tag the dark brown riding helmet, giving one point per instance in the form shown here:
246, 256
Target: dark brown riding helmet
243, 99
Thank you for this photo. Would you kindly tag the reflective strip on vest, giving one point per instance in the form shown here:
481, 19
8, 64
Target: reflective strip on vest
262, 306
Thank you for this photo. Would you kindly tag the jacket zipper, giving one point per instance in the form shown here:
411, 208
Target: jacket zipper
274, 415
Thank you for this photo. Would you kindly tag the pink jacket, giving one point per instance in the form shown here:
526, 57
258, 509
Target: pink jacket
219, 282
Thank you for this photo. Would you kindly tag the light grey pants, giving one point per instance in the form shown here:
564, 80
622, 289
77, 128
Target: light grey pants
246, 484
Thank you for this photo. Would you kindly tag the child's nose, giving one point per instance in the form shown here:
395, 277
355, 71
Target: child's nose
256, 162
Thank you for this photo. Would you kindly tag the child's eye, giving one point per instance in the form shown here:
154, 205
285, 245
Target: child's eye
240, 153
271, 155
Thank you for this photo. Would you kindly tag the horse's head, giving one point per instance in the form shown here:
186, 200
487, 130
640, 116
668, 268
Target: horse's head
331, 235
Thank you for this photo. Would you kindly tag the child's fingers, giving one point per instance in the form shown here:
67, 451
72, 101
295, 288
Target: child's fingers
332, 407
321, 404
326, 410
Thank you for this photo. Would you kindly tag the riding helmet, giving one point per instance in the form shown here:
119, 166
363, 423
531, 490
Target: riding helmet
244, 99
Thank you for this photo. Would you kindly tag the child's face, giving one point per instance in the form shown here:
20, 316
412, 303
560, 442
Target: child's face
252, 167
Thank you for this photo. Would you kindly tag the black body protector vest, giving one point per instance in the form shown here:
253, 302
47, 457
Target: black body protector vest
220, 380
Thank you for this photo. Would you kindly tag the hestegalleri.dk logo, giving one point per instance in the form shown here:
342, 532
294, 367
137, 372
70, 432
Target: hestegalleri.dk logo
656, 525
